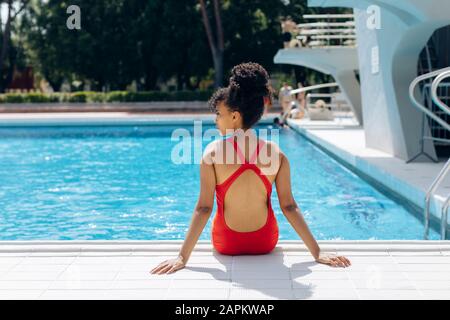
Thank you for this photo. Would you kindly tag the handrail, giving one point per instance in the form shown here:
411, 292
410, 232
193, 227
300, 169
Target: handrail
437, 181
444, 215
434, 86
329, 16
418, 105
349, 23
440, 76
314, 87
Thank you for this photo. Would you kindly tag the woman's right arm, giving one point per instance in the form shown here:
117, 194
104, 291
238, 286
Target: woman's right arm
200, 217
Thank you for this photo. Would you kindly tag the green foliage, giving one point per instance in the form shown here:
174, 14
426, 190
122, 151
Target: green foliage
29, 98
101, 97
147, 42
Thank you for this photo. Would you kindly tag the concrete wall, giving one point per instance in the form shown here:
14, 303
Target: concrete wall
391, 122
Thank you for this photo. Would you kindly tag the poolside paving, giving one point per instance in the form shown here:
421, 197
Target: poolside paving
346, 141
120, 270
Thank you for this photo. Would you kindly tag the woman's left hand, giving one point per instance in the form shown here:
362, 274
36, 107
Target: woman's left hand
333, 260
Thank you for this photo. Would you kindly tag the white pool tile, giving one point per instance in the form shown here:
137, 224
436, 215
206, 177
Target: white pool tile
411, 253
436, 294
86, 276
269, 267
209, 259
208, 267
260, 274
6, 267
360, 259
154, 260
29, 276
24, 285
54, 254
20, 294
200, 284
13, 254
93, 268
363, 253
105, 254
314, 266
95, 261
80, 284
384, 276
383, 283
140, 275
319, 275
11, 260
39, 268
383, 267
423, 275
432, 284
280, 276
424, 267
142, 284
48, 260
305, 254
258, 284
423, 259
184, 274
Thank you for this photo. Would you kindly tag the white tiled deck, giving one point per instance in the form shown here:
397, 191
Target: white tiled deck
347, 142
120, 270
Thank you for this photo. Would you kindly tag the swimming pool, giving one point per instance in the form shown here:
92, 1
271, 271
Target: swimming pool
102, 183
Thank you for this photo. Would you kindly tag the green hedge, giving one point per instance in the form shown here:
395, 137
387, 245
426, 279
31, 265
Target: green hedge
113, 96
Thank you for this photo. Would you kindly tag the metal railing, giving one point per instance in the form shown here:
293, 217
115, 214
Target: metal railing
444, 218
314, 87
332, 96
337, 104
326, 31
440, 76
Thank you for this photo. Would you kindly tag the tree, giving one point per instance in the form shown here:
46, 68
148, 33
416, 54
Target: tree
216, 42
13, 9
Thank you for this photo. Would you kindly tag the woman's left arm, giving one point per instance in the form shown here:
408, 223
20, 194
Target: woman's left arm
200, 217
293, 214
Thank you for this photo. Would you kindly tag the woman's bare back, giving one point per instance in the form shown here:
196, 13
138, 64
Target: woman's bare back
245, 205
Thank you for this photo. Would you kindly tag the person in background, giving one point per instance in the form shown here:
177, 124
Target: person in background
300, 102
288, 29
285, 98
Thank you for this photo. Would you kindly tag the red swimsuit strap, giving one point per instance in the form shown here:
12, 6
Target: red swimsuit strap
246, 165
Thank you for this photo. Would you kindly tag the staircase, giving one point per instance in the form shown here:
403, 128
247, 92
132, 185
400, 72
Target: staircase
433, 57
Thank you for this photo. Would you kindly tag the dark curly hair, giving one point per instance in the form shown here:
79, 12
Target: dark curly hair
249, 84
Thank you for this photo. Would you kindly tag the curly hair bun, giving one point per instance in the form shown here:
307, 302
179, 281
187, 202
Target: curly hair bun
250, 78
249, 85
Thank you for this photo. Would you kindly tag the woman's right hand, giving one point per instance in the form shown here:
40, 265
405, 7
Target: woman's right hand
169, 266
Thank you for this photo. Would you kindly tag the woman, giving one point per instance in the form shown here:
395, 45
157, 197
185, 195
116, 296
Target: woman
245, 222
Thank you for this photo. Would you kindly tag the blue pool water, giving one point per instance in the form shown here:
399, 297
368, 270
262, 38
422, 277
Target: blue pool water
86, 183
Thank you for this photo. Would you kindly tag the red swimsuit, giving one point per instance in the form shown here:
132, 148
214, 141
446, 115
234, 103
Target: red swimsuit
228, 241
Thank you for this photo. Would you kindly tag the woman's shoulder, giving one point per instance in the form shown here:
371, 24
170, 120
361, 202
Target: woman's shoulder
211, 150
271, 146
